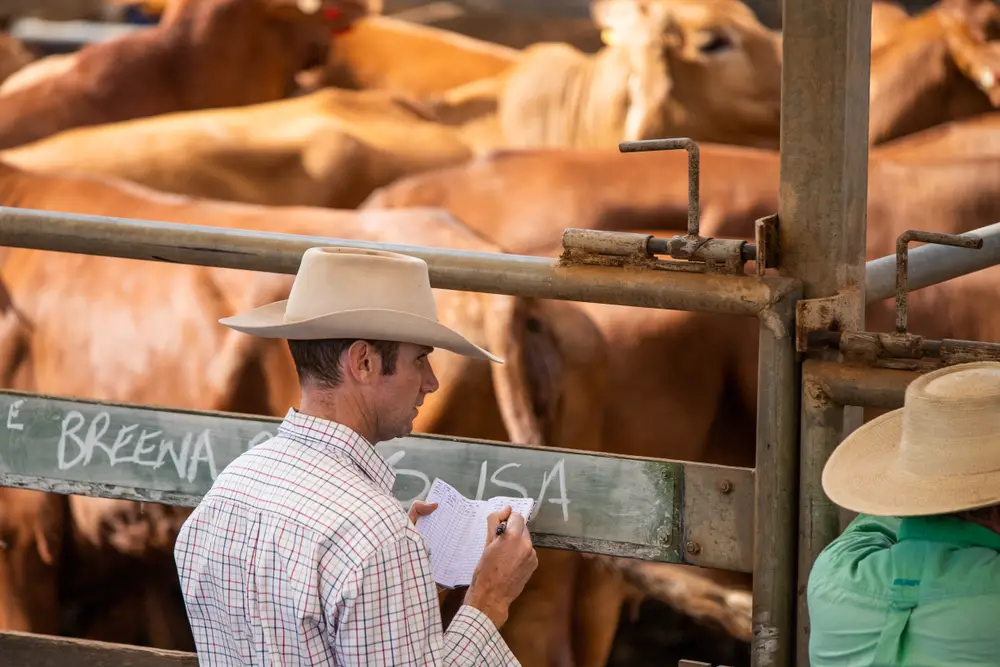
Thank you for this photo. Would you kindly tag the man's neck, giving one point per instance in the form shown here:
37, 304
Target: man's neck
338, 407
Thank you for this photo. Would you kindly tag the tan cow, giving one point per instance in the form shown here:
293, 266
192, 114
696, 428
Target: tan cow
177, 355
391, 54
330, 148
203, 54
707, 69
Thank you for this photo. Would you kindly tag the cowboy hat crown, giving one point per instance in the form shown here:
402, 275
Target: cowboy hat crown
357, 293
939, 453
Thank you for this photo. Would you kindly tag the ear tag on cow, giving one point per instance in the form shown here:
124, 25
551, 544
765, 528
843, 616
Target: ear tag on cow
608, 37
310, 6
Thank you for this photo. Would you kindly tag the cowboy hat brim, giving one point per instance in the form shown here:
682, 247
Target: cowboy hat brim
370, 323
866, 475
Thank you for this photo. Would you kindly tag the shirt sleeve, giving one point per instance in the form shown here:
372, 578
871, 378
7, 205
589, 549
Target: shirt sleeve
389, 615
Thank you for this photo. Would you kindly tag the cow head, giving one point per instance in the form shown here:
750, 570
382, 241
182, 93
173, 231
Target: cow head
700, 68
31, 542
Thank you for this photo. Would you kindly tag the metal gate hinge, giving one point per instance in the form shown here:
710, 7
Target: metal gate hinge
819, 316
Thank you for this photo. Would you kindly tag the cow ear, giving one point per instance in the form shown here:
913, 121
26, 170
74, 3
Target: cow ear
616, 18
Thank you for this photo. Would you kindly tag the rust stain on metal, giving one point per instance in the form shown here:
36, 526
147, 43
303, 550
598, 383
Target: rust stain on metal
814, 317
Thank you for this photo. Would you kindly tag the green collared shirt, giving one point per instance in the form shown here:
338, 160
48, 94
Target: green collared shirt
921, 591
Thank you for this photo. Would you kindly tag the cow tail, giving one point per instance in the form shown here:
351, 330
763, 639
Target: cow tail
525, 381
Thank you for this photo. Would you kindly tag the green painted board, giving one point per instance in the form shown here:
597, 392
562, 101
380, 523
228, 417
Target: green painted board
613, 505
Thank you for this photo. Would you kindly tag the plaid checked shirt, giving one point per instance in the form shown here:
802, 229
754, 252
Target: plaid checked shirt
299, 555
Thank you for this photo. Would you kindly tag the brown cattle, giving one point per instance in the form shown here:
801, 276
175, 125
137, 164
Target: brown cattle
523, 200
969, 138
203, 54
415, 60
48, 67
179, 356
14, 56
707, 69
330, 148
605, 189
32, 524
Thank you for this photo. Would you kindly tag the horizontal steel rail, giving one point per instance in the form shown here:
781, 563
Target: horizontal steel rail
498, 273
932, 264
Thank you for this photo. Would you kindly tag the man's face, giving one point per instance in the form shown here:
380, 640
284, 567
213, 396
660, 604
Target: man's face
399, 396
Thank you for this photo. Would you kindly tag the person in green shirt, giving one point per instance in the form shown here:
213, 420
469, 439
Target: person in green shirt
915, 579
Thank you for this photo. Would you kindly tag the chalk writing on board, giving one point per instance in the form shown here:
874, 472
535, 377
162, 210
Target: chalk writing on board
12, 413
100, 438
558, 471
130, 445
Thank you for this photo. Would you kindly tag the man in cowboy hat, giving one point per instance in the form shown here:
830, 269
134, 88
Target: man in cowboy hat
299, 554
915, 578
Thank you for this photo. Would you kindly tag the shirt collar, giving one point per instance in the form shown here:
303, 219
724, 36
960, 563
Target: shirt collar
947, 529
328, 435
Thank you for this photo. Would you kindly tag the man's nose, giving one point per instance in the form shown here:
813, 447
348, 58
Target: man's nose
430, 381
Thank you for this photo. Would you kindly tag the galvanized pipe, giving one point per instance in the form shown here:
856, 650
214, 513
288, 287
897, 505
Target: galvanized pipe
823, 148
933, 264
776, 471
495, 273
847, 384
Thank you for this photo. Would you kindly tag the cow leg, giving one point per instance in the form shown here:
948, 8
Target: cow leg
598, 598
538, 626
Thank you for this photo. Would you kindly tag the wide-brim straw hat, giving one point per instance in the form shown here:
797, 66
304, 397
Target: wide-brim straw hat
937, 454
357, 293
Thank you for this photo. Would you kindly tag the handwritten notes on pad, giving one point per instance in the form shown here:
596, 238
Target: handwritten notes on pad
456, 531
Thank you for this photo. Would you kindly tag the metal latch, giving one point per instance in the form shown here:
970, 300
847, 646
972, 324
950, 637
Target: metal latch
695, 252
817, 329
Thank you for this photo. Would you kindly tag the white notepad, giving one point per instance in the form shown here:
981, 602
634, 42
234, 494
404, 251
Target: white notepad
456, 531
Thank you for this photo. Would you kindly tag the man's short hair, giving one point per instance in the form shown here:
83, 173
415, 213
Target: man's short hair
319, 360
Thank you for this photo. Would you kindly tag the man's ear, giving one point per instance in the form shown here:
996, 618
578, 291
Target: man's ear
616, 18
360, 361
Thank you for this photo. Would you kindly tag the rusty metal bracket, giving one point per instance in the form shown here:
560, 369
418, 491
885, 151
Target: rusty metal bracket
715, 255
814, 317
765, 236
816, 326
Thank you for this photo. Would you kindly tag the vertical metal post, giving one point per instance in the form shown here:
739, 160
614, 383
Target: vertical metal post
826, 57
776, 474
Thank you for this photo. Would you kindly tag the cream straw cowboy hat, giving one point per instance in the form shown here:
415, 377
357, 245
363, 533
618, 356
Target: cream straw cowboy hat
355, 293
939, 453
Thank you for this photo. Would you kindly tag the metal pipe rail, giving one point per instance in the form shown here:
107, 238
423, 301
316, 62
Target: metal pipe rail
496, 273
931, 264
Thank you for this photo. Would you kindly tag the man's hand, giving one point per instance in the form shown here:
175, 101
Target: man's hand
419, 508
507, 562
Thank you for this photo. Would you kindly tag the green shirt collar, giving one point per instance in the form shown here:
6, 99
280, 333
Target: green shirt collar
949, 530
